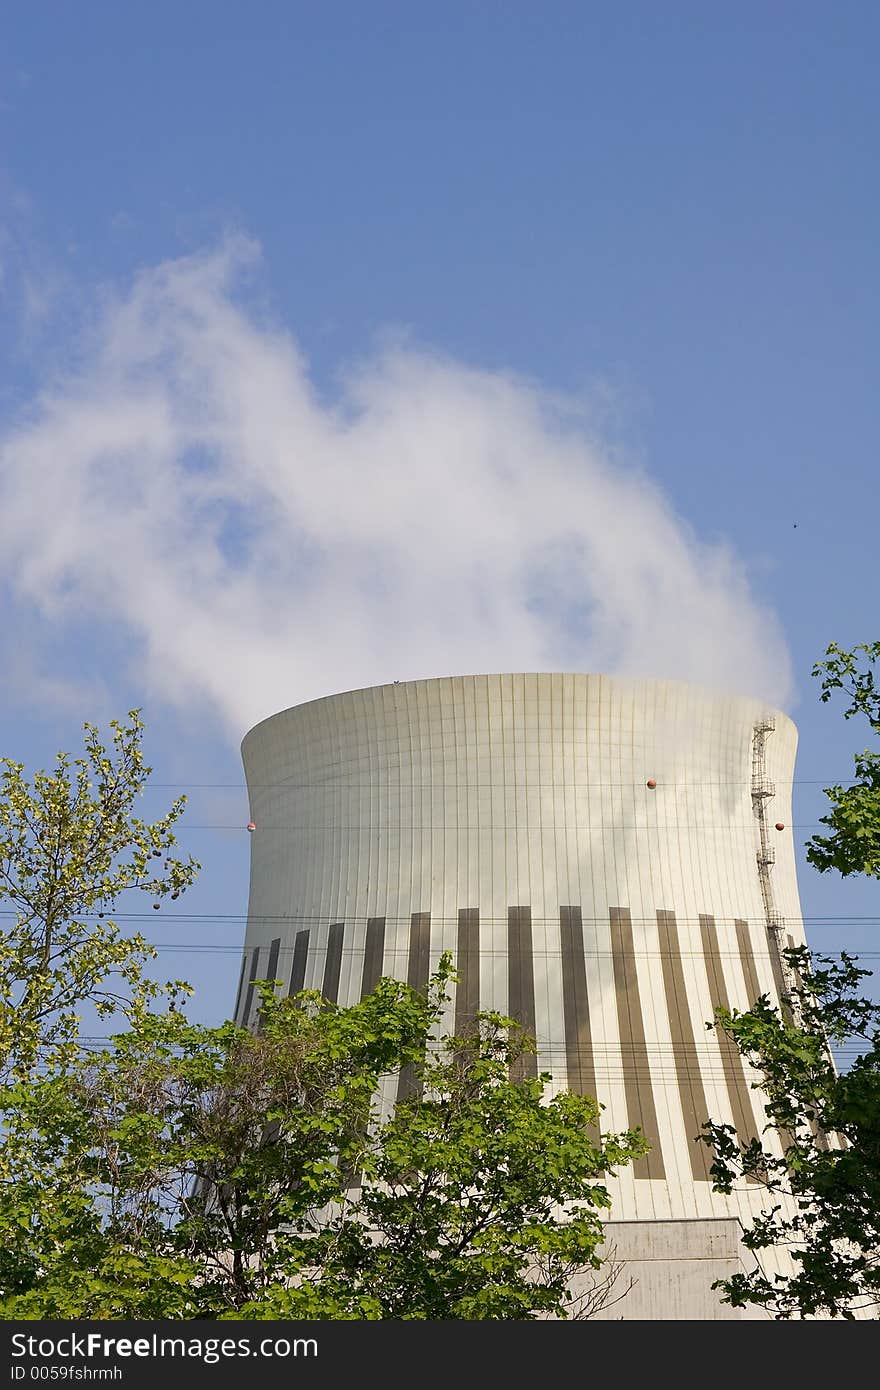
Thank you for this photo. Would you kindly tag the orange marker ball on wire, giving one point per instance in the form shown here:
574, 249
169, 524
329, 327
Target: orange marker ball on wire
780, 825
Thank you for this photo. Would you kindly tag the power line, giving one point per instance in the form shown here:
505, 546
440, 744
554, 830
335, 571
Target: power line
318, 919
665, 1071
511, 826
402, 952
343, 782
501, 953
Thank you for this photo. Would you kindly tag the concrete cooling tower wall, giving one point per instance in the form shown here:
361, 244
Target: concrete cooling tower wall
600, 856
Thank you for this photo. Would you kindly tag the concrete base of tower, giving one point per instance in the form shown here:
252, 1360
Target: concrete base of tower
665, 1270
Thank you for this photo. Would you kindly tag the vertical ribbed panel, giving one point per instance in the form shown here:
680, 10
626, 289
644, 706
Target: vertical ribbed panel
734, 1075
576, 1007
374, 955
300, 959
371, 974
818, 1133
747, 961
272, 968
778, 977
636, 1063
333, 962
467, 963
240, 986
521, 984
419, 951
687, 1063
417, 978
249, 992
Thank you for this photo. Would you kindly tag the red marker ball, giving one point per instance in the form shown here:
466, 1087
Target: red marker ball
251, 826
651, 783
780, 825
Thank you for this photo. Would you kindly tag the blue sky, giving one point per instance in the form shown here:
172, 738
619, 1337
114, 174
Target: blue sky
614, 262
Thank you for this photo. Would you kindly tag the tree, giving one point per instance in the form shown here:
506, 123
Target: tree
151, 1179
827, 1181
221, 1173
191, 1172
70, 846
461, 1213
853, 847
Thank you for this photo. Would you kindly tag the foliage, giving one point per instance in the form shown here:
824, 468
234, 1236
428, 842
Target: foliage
70, 846
165, 1166
853, 847
826, 1170
460, 1214
826, 1181
191, 1172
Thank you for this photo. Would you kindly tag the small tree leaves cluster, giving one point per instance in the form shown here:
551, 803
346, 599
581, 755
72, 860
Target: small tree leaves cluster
853, 846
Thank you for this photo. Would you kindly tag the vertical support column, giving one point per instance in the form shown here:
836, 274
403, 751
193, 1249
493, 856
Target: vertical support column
374, 959
747, 960
521, 984
734, 1074
333, 962
274, 950
408, 1084
240, 987
271, 971
819, 1134
249, 992
300, 958
576, 1005
778, 976
687, 1063
374, 955
636, 1062
467, 964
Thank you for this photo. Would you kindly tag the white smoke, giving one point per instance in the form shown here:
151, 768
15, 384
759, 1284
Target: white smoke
263, 547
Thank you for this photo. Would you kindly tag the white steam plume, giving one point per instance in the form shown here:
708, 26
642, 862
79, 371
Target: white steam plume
263, 548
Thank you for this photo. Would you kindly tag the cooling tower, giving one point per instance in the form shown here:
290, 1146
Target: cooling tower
602, 858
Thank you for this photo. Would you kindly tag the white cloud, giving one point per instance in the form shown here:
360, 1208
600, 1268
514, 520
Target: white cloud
262, 547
